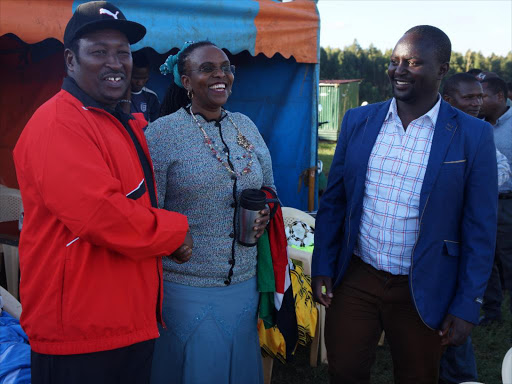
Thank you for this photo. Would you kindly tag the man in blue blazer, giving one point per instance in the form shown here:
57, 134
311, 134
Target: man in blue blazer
405, 233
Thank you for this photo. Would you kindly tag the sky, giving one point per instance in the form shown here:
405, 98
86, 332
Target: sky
479, 25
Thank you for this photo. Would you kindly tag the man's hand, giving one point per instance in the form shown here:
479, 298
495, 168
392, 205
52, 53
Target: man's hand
184, 252
454, 330
261, 222
317, 284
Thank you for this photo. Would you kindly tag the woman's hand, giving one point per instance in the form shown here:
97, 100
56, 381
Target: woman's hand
261, 222
184, 252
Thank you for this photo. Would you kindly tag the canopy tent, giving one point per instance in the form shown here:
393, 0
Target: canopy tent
275, 46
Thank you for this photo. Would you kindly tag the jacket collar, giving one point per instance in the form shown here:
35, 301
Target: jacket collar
72, 87
444, 130
69, 85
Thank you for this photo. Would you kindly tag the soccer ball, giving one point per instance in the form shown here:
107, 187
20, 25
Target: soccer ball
300, 234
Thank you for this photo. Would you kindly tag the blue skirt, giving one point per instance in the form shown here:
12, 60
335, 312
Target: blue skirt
211, 336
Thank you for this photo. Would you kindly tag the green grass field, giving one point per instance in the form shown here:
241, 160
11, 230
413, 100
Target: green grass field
490, 343
325, 153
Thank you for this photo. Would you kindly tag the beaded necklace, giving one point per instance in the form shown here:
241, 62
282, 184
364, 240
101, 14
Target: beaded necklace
241, 140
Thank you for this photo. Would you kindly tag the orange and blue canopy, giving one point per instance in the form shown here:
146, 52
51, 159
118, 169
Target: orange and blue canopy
258, 26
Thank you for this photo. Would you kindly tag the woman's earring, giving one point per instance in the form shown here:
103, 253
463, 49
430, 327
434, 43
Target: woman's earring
230, 91
190, 94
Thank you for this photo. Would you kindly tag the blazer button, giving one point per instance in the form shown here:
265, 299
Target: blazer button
233, 205
232, 235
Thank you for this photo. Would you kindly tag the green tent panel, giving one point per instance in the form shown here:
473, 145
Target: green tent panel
335, 98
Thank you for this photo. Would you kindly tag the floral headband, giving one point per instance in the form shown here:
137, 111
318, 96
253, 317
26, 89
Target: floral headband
171, 65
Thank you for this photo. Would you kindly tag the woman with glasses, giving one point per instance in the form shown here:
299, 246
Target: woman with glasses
204, 157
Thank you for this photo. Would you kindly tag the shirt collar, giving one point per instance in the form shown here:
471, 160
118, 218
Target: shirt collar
431, 115
507, 115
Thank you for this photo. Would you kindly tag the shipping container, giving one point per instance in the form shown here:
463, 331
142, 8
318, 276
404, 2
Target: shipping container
336, 97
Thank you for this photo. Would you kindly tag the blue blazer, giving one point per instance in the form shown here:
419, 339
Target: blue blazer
454, 253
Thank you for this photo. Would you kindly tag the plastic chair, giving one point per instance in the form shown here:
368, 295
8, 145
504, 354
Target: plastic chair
11, 207
11, 305
291, 215
506, 368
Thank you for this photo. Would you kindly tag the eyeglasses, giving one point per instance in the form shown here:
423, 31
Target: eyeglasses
208, 69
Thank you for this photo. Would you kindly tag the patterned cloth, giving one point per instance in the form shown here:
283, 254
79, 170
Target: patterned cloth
397, 165
271, 340
191, 181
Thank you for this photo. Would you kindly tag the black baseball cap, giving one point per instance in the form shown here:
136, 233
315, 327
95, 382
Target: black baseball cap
96, 15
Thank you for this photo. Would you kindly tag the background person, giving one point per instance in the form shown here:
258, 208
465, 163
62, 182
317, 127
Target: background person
406, 228
143, 99
92, 241
464, 92
204, 157
499, 115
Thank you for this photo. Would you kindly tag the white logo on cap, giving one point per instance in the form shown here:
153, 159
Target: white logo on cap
104, 11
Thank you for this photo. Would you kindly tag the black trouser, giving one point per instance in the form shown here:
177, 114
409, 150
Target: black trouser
126, 365
493, 294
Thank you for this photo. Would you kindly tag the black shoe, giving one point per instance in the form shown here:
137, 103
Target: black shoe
485, 321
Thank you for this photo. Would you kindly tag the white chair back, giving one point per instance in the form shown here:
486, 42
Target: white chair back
291, 214
11, 305
506, 368
11, 209
10, 204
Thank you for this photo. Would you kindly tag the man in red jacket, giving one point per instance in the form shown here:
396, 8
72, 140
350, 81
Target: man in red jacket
92, 241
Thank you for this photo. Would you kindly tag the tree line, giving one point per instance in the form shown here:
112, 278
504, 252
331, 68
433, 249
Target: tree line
370, 65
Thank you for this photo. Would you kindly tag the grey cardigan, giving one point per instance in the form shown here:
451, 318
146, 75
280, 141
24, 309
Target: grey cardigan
191, 181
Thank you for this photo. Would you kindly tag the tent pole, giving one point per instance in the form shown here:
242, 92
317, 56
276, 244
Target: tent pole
313, 185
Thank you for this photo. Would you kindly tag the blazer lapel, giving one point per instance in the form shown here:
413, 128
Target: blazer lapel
371, 130
445, 129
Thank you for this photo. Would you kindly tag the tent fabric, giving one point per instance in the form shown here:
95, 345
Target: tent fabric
32, 74
278, 91
277, 95
262, 26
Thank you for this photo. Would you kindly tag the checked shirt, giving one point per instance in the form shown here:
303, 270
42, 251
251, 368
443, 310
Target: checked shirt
396, 167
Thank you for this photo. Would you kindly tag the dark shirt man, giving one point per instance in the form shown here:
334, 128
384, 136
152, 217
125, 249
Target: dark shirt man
143, 100
463, 91
405, 232
92, 242
497, 113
